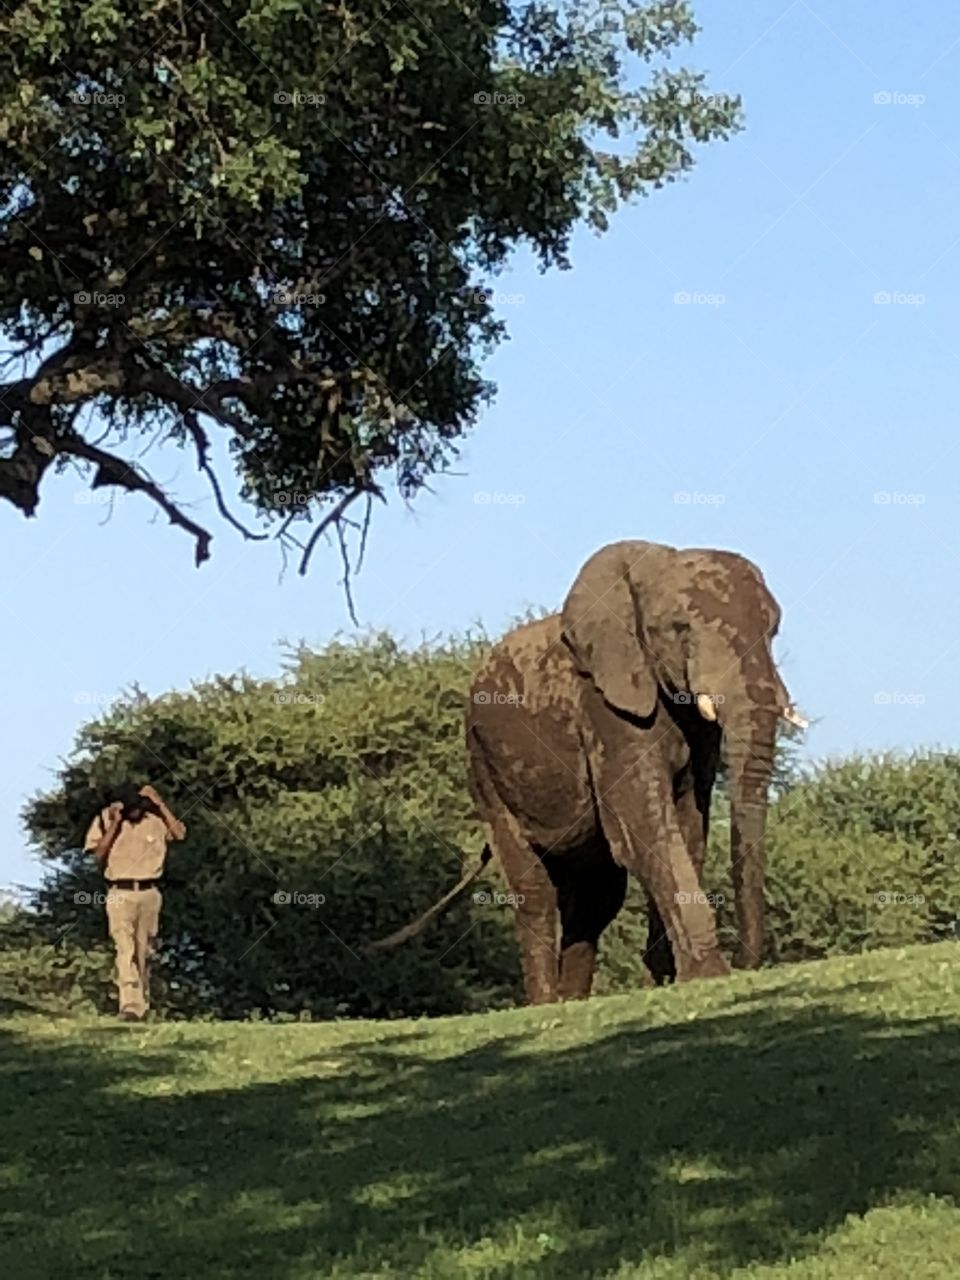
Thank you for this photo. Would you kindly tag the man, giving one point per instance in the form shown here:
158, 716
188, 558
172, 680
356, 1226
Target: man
129, 841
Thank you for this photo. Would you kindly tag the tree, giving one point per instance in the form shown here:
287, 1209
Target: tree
275, 218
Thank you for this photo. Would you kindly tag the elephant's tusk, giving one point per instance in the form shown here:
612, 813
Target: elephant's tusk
794, 717
705, 706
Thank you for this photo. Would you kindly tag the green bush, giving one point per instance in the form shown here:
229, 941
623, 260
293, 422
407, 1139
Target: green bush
41, 972
864, 853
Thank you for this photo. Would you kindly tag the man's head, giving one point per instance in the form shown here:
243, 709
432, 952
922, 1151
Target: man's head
134, 804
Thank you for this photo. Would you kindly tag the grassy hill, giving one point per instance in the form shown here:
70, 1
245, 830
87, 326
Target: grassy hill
803, 1122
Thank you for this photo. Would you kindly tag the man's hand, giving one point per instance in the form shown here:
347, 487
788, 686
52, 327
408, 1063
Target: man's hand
106, 841
177, 830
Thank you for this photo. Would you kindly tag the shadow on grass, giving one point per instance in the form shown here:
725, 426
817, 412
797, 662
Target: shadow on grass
729, 1140
801, 990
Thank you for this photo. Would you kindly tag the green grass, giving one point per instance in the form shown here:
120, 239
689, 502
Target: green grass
803, 1122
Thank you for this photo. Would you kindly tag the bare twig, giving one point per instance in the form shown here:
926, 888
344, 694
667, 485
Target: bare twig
346, 574
202, 444
282, 531
331, 518
364, 532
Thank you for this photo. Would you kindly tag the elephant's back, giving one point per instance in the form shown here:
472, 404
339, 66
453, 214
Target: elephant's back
523, 722
531, 667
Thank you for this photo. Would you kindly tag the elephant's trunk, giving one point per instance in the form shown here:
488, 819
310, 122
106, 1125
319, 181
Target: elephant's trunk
749, 750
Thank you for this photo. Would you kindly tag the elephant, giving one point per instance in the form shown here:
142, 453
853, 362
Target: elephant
594, 737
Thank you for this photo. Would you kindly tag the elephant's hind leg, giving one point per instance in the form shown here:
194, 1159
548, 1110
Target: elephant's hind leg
535, 913
591, 888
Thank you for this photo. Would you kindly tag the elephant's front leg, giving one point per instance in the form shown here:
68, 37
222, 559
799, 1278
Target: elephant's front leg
693, 827
640, 818
692, 806
658, 956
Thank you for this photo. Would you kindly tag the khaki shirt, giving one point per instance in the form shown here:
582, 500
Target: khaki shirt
139, 850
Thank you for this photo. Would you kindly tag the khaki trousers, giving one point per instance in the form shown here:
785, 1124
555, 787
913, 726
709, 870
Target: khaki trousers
133, 916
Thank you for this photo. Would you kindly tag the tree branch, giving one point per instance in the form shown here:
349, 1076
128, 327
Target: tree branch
112, 470
334, 517
76, 374
202, 443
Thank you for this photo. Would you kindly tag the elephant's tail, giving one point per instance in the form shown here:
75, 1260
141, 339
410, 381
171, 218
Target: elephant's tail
417, 926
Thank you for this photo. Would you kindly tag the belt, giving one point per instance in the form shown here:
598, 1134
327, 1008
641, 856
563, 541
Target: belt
132, 884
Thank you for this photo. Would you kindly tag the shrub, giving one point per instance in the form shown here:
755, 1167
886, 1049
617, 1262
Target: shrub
40, 973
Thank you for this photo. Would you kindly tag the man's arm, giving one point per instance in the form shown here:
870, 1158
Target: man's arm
175, 828
109, 829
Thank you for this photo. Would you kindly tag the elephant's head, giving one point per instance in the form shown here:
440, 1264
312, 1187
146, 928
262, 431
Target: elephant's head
647, 622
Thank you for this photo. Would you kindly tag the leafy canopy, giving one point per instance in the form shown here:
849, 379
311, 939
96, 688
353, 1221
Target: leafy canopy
273, 218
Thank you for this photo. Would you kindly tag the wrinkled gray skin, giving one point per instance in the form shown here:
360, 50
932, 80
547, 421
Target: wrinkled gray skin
589, 758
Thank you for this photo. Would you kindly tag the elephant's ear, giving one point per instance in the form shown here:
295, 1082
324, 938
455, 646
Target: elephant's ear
603, 627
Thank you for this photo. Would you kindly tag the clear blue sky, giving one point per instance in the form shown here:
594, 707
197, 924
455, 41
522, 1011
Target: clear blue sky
783, 413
